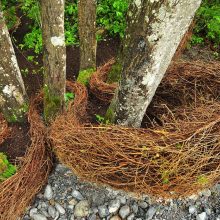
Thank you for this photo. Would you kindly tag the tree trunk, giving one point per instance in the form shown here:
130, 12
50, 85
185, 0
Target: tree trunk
87, 36
54, 59
13, 98
154, 31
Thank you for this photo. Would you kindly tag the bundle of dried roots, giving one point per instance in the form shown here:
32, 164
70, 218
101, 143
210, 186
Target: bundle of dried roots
174, 159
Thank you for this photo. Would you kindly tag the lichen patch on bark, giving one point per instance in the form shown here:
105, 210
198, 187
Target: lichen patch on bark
58, 41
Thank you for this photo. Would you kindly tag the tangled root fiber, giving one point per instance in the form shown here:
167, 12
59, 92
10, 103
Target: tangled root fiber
17, 192
177, 158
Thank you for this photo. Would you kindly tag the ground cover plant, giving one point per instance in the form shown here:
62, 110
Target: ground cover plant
6, 168
110, 20
207, 28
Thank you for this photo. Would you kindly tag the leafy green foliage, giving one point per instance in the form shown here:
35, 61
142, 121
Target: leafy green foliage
101, 120
208, 23
9, 9
6, 168
68, 96
110, 17
71, 23
33, 40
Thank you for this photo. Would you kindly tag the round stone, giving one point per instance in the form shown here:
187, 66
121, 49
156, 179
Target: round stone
48, 193
192, 209
124, 211
82, 209
60, 208
201, 216
114, 206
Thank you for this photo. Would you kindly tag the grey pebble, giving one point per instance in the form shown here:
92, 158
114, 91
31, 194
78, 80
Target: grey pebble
131, 216
39, 217
44, 212
103, 211
208, 211
150, 213
82, 209
201, 216
192, 209
52, 211
92, 217
143, 204
48, 193
134, 208
114, 206
206, 192
77, 195
71, 207
72, 217
122, 200
33, 211
60, 208
124, 211
57, 215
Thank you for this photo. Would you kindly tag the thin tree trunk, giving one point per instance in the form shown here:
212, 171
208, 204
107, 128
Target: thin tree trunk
54, 59
154, 31
13, 98
87, 35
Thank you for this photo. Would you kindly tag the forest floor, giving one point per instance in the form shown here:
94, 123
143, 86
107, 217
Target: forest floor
17, 143
68, 191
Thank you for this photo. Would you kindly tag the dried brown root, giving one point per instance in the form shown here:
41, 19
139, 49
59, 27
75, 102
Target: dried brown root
176, 159
17, 192
99, 87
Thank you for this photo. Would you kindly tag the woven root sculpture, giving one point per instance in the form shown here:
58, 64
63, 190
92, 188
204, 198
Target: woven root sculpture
17, 192
99, 87
177, 158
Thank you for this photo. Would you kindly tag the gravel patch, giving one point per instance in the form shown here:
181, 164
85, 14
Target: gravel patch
65, 197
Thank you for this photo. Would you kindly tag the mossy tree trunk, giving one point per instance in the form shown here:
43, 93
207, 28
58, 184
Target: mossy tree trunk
54, 57
154, 31
13, 98
87, 36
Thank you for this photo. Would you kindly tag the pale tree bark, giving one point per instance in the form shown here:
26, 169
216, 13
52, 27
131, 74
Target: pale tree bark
154, 31
13, 98
87, 36
54, 58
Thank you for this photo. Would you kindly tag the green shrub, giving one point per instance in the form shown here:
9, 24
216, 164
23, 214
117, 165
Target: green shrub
208, 23
6, 168
9, 9
110, 17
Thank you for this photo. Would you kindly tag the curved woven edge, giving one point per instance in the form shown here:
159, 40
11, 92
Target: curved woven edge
17, 192
178, 159
77, 108
99, 87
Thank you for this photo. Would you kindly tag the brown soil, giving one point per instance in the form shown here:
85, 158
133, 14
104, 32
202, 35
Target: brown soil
16, 144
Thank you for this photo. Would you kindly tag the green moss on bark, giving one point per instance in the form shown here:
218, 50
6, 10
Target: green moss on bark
110, 114
52, 105
16, 115
115, 73
84, 76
